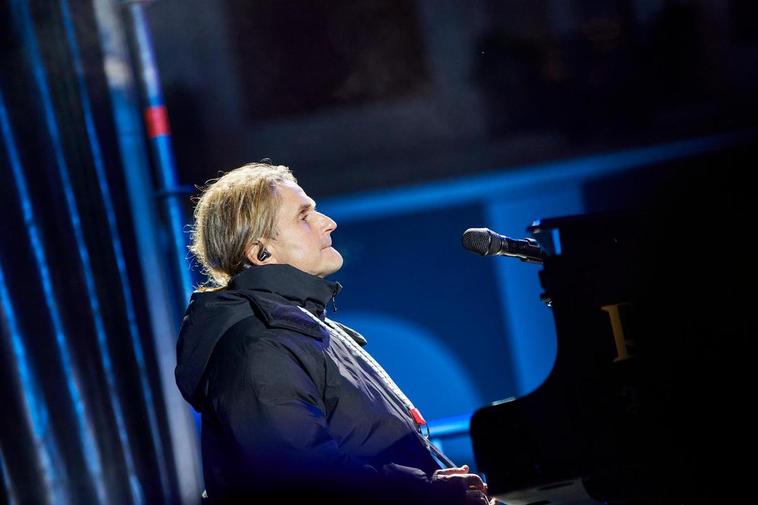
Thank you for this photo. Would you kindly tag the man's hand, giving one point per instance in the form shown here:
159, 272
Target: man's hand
457, 478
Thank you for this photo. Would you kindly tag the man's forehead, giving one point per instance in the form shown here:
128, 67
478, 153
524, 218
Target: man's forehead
293, 196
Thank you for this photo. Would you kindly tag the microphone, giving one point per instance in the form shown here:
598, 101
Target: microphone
488, 243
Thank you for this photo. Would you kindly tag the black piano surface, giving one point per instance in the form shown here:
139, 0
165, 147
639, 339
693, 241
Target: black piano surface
649, 399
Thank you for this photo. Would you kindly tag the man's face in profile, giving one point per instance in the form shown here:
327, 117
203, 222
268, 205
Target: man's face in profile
304, 235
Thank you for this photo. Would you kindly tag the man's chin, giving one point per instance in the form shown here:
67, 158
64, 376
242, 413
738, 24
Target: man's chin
334, 263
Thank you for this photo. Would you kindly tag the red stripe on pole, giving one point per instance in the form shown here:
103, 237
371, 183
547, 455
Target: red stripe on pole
156, 120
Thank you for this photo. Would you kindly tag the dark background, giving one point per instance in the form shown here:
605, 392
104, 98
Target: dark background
408, 122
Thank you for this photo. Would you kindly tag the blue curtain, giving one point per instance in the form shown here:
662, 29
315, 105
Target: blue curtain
83, 420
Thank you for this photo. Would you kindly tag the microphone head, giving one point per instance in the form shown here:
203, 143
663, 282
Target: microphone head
477, 240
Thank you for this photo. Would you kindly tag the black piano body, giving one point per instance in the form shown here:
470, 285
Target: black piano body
647, 400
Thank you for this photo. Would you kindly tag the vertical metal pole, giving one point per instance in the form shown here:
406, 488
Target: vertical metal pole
159, 132
162, 309
105, 192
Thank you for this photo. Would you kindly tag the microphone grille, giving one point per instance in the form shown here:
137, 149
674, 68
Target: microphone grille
476, 240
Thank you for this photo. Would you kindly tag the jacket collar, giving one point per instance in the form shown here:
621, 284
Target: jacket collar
306, 290
265, 286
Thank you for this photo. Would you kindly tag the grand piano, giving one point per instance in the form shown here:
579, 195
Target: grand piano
647, 398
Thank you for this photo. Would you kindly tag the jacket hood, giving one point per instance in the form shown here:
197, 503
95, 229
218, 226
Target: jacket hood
262, 291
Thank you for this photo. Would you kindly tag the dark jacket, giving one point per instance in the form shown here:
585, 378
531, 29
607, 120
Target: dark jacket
286, 409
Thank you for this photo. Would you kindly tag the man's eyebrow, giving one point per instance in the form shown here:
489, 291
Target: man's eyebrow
306, 207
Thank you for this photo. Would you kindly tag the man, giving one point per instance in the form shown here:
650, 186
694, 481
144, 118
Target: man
292, 406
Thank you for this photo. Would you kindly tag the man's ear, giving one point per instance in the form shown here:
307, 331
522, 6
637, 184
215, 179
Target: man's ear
258, 254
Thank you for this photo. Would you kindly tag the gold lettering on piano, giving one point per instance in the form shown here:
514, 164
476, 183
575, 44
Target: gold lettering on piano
622, 344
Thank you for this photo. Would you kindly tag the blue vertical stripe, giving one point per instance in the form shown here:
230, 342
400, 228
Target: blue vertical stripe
557, 249
35, 411
10, 493
105, 193
91, 452
34, 407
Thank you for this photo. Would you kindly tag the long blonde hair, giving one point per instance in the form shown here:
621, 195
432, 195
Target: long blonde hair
232, 214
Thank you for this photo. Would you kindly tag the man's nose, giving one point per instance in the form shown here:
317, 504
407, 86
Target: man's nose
329, 224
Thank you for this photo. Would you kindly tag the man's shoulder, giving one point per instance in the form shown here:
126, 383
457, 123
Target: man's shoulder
286, 330
251, 349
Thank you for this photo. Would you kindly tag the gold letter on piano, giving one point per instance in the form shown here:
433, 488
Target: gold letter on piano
622, 352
